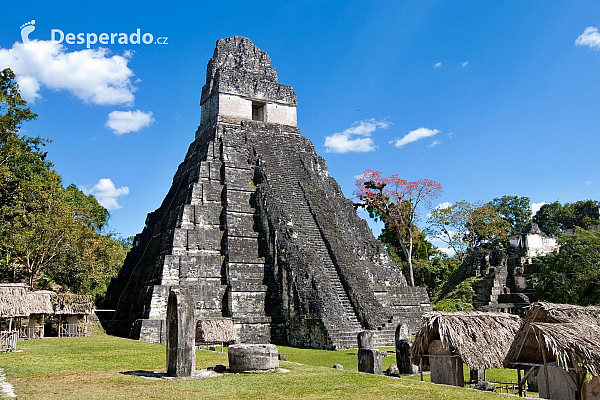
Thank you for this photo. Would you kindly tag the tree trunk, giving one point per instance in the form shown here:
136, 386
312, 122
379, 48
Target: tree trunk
407, 253
409, 258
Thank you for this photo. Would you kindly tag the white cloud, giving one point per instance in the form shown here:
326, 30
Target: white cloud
589, 37
448, 250
91, 75
464, 64
443, 205
441, 246
449, 134
588, 182
535, 207
434, 143
106, 193
437, 65
122, 122
415, 135
356, 138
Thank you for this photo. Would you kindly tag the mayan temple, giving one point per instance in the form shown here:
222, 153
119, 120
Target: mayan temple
258, 231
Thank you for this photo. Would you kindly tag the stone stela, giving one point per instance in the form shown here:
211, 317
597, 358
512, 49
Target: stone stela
369, 359
181, 334
257, 231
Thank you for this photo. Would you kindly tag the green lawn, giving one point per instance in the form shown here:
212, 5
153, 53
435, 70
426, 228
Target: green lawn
97, 368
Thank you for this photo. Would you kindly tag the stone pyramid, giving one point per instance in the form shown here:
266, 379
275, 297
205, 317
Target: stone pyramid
258, 231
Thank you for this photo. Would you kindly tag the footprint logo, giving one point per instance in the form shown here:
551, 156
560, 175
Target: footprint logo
26, 29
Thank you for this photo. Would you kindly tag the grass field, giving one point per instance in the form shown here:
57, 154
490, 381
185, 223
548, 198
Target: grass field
99, 368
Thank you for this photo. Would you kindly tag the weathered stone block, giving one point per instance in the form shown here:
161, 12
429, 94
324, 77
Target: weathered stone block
366, 340
403, 362
446, 368
252, 357
392, 371
239, 201
369, 361
556, 383
181, 333
402, 332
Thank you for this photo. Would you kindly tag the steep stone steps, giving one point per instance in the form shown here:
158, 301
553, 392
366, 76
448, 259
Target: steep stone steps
283, 177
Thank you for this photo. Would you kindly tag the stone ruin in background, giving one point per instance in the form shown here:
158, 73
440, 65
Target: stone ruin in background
257, 231
506, 272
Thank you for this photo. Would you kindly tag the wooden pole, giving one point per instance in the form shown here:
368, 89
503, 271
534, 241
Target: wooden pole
520, 383
545, 371
421, 367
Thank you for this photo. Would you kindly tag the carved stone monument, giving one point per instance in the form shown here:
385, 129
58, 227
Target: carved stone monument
366, 340
370, 361
181, 333
403, 345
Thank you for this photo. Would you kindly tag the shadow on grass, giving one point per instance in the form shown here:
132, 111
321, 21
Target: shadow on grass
146, 374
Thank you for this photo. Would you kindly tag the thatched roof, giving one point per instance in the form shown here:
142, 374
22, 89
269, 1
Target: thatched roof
481, 339
13, 300
542, 311
39, 302
73, 304
17, 301
566, 334
215, 331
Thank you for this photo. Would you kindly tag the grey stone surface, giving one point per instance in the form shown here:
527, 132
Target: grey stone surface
252, 357
402, 333
446, 368
181, 327
484, 385
556, 383
259, 232
369, 361
403, 362
392, 371
366, 340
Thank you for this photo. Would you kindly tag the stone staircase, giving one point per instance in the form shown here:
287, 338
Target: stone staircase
283, 177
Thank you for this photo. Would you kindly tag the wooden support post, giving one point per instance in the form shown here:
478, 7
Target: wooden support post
421, 367
545, 371
520, 382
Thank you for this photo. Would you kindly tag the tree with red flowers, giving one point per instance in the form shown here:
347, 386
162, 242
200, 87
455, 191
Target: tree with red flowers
395, 201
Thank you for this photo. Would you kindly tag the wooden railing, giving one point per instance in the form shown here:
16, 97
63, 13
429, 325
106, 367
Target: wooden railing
502, 387
8, 340
72, 330
31, 332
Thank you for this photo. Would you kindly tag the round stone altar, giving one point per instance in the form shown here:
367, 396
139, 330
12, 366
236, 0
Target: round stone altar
252, 357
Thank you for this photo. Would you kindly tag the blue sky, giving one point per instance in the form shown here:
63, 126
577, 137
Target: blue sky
497, 95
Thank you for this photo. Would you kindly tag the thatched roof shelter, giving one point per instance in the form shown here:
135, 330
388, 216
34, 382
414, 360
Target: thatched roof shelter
566, 334
73, 304
39, 302
481, 339
13, 300
215, 331
17, 301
